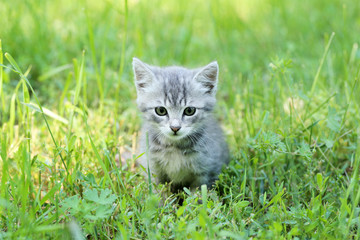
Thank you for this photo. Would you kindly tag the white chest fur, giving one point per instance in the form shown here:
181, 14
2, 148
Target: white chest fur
178, 165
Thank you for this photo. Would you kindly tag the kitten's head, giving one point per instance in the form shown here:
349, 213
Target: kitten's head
175, 100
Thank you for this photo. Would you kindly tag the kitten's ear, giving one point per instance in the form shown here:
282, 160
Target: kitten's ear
143, 75
208, 77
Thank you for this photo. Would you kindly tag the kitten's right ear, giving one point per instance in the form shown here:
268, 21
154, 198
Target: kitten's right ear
143, 75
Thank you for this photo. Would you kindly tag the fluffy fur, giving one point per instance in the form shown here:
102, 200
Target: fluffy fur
186, 150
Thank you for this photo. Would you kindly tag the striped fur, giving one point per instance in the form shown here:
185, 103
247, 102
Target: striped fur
195, 154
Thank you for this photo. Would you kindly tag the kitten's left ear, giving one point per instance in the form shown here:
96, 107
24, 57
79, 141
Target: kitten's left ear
208, 77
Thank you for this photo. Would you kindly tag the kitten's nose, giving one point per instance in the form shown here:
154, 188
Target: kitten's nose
175, 128
175, 125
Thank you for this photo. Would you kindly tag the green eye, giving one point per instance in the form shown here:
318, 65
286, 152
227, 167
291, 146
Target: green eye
161, 111
189, 111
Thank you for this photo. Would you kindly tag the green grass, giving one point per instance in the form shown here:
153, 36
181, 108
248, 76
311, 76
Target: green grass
288, 101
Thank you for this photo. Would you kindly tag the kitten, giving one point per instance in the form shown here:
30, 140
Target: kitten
185, 144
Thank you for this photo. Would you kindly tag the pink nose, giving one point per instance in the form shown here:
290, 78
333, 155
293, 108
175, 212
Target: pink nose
175, 129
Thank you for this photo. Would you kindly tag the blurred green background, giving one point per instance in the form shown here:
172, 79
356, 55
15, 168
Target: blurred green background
244, 36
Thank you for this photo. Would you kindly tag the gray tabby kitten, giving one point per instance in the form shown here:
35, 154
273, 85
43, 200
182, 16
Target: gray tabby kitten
186, 144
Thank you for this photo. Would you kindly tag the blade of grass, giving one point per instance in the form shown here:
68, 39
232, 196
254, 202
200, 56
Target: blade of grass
321, 64
47, 112
2, 98
64, 93
148, 162
12, 118
321, 105
273, 200
94, 59
53, 72
348, 104
28, 183
113, 165
317, 75
123, 43
4, 176
100, 160
18, 71
79, 79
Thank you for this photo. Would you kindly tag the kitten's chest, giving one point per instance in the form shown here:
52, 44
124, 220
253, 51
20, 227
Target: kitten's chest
178, 164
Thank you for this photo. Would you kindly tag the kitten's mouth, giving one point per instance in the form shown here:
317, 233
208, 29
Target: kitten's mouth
175, 136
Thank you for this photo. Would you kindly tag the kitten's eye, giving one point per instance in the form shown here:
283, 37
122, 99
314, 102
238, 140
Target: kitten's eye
189, 111
161, 111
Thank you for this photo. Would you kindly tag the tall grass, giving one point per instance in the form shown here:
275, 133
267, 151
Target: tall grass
287, 100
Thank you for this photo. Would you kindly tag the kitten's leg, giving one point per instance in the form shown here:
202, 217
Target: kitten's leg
200, 180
